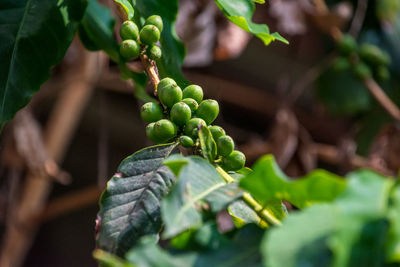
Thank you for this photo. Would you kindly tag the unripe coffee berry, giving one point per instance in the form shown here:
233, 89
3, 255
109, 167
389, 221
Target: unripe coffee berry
165, 130
129, 49
151, 112
341, 64
149, 35
180, 113
373, 55
192, 126
150, 133
129, 30
234, 161
216, 132
193, 91
225, 145
169, 93
191, 103
362, 71
347, 44
208, 110
154, 52
156, 21
186, 141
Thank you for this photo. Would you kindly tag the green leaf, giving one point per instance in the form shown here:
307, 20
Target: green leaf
198, 183
242, 214
173, 50
342, 93
34, 36
240, 12
267, 183
393, 243
130, 206
208, 145
97, 26
126, 7
243, 250
350, 231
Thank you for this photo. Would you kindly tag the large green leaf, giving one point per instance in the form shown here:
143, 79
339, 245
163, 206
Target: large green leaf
35, 35
393, 245
240, 12
198, 183
173, 50
350, 231
268, 183
130, 206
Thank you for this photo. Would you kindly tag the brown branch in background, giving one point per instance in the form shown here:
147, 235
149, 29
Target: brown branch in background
359, 17
369, 83
57, 136
382, 98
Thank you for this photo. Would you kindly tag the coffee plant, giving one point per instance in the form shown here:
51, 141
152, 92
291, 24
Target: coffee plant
163, 205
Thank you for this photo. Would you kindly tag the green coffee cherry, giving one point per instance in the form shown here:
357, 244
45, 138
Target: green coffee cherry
191, 103
341, 64
180, 113
192, 126
149, 35
362, 71
164, 130
208, 110
216, 132
347, 44
186, 141
383, 73
154, 52
169, 92
156, 21
234, 161
150, 133
225, 145
151, 112
129, 49
374, 55
129, 30
193, 91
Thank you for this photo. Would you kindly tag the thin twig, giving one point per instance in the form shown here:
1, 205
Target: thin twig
151, 70
359, 17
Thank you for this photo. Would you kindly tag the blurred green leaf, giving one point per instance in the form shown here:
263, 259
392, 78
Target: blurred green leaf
130, 205
35, 36
240, 12
242, 214
342, 93
198, 183
268, 183
350, 231
393, 244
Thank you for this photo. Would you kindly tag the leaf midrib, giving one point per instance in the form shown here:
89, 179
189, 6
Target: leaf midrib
13, 54
192, 201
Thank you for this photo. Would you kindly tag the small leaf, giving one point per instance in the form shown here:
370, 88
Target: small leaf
130, 206
125, 8
198, 183
208, 145
242, 214
267, 183
240, 12
34, 36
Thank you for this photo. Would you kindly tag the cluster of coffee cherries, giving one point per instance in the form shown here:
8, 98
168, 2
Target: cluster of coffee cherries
148, 36
180, 116
365, 60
